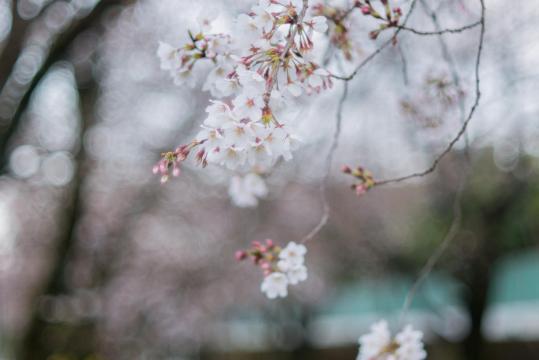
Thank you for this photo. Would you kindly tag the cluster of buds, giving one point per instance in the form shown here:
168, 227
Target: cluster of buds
366, 180
170, 162
281, 266
435, 100
390, 18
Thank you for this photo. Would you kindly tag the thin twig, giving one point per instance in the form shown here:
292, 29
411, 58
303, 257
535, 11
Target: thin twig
441, 32
404, 65
329, 160
464, 126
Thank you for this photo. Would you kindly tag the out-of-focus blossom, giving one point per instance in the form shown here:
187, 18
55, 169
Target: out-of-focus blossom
275, 285
378, 344
245, 191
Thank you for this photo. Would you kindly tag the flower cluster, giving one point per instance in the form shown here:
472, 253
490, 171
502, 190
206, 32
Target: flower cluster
245, 191
389, 19
366, 180
258, 76
378, 344
281, 266
179, 62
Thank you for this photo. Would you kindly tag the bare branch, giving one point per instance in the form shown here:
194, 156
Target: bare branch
464, 126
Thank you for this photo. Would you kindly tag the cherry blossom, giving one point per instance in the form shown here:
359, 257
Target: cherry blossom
378, 344
275, 285
245, 191
281, 267
259, 73
292, 255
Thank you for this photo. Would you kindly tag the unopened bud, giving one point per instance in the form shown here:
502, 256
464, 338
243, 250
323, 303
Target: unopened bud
240, 255
346, 169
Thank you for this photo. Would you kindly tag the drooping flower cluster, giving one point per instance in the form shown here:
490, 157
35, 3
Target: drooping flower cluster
259, 73
245, 191
281, 266
366, 180
379, 345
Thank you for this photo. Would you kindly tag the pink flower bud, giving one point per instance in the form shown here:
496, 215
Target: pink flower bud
361, 189
346, 169
155, 169
365, 10
240, 255
269, 243
176, 171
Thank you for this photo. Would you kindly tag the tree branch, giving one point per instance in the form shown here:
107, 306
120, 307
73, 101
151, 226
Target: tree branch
464, 126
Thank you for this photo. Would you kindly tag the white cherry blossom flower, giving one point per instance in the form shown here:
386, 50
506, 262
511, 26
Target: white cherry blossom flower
248, 105
292, 255
168, 56
245, 191
410, 344
378, 344
296, 274
316, 23
238, 133
275, 285
219, 114
373, 343
247, 32
262, 17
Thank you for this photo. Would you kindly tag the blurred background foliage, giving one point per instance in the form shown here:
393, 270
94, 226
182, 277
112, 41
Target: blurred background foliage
98, 261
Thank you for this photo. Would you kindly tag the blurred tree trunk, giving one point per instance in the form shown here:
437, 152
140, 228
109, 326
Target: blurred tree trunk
478, 275
38, 343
